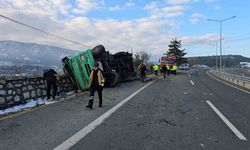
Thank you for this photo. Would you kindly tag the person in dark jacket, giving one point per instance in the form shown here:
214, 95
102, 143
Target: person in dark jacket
50, 78
164, 70
142, 68
96, 83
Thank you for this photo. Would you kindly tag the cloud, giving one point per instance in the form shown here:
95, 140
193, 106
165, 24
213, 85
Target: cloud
146, 33
195, 17
179, 1
39, 8
115, 8
84, 6
200, 40
158, 11
130, 3
150, 33
63, 6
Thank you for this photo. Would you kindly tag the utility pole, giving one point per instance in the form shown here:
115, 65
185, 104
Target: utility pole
216, 60
221, 21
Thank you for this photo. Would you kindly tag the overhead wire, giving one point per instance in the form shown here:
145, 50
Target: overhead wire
43, 31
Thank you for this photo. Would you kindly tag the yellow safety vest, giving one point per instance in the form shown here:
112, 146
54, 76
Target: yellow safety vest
156, 67
175, 67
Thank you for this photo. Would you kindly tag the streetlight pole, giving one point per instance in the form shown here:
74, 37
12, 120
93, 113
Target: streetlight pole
221, 21
216, 53
216, 60
220, 45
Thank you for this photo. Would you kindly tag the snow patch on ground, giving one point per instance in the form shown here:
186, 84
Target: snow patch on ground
245, 64
32, 103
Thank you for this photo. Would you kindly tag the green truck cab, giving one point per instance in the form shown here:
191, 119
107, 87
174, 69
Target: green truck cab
78, 68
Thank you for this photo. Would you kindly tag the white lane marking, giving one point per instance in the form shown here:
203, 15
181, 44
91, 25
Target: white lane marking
189, 75
192, 82
90, 127
227, 122
228, 84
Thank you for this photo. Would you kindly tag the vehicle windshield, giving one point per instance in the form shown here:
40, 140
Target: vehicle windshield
167, 60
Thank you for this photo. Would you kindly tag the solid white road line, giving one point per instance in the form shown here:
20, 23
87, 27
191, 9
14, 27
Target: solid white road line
191, 81
189, 75
86, 130
227, 122
228, 84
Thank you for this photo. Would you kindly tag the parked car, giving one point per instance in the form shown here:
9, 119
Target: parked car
184, 66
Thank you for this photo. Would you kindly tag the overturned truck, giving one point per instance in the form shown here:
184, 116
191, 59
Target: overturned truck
115, 67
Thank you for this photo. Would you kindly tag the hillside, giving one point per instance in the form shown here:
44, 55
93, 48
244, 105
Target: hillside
13, 52
228, 60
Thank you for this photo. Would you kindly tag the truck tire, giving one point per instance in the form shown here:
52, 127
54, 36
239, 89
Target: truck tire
114, 79
98, 51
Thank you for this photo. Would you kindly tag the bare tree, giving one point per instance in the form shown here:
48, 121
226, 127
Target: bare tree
141, 56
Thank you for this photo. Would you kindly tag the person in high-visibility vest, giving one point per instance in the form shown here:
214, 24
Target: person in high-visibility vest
175, 69
168, 69
156, 68
96, 83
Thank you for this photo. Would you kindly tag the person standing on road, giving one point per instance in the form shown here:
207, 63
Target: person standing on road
96, 83
175, 69
142, 68
156, 68
168, 70
50, 77
164, 70
151, 69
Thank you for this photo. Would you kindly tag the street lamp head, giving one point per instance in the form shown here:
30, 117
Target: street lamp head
221, 20
228, 18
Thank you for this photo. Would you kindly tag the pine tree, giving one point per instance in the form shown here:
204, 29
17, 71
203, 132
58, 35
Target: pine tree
175, 49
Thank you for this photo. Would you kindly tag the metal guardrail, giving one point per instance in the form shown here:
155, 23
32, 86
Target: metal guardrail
232, 76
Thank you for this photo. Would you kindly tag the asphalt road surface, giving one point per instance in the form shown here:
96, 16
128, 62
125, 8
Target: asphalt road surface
184, 112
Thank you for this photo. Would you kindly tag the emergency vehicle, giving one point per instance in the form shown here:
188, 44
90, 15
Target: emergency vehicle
168, 60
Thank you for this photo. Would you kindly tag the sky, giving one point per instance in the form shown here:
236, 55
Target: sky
131, 25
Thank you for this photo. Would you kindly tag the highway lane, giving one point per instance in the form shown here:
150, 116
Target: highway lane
173, 114
232, 102
170, 113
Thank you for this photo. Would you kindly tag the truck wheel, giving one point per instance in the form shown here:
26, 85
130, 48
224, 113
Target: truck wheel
98, 51
114, 79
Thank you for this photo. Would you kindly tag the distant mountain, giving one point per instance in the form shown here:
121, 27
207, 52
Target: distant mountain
227, 60
13, 52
